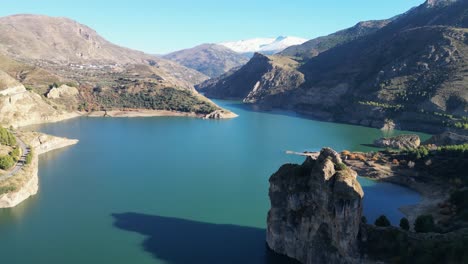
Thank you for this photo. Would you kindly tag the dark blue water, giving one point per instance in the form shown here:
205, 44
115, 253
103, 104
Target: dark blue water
171, 190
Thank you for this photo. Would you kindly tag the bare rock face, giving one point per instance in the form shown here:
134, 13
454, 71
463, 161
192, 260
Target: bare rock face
220, 114
399, 142
316, 210
62, 91
439, 3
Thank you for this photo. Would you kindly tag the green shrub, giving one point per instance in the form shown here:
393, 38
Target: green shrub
6, 162
161, 99
7, 138
29, 157
15, 153
404, 224
424, 224
454, 150
382, 221
341, 166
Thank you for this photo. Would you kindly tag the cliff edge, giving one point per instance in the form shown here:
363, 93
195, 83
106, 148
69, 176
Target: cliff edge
316, 210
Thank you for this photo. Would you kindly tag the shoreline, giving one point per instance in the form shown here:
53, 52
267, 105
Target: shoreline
223, 114
28, 176
431, 195
218, 114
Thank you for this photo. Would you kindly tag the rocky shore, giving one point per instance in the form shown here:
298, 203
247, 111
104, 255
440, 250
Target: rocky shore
386, 167
218, 114
301, 196
25, 183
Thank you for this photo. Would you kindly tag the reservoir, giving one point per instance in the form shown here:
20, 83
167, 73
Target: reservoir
172, 189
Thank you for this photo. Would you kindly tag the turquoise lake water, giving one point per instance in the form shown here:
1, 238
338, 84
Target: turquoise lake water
171, 190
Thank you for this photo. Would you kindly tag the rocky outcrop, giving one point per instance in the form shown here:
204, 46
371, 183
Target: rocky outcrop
62, 91
43, 143
6, 82
220, 114
316, 210
261, 76
448, 138
13, 90
399, 142
27, 177
22, 108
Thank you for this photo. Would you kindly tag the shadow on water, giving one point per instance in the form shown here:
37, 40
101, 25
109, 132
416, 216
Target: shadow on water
371, 146
180, 241
254, 108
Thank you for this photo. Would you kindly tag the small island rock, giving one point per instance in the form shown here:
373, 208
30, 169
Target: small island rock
399, 142
316, 210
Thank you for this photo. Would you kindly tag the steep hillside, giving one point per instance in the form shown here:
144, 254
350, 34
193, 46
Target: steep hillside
318, 45
258, 79
44, 53
50, 42
210, 59
412, 71
261, 76
20, 107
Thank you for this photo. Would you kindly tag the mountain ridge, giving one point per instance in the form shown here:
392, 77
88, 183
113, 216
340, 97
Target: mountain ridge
46, 52
48, 41
210, 59
411, 71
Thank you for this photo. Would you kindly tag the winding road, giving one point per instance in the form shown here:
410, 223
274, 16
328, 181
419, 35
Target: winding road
21, 162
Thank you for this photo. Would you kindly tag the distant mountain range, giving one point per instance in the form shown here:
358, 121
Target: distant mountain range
410, 70
210, 59
266, 46
216, 59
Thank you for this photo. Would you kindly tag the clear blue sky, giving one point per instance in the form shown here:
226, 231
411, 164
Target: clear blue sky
158, 26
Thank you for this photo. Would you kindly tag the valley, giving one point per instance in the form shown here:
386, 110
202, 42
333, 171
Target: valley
347, 147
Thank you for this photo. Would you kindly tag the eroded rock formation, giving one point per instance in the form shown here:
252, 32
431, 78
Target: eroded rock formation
316, 210
399, 142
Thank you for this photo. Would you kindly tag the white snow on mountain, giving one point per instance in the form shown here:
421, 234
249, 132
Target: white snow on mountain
263, 45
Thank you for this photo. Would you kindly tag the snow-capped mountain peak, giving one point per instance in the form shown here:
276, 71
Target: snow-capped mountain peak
264, 45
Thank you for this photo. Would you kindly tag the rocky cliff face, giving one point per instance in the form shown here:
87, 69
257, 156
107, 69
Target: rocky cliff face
262, 76
315, 211
19, 107
62, 91
399, 142
448, 138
